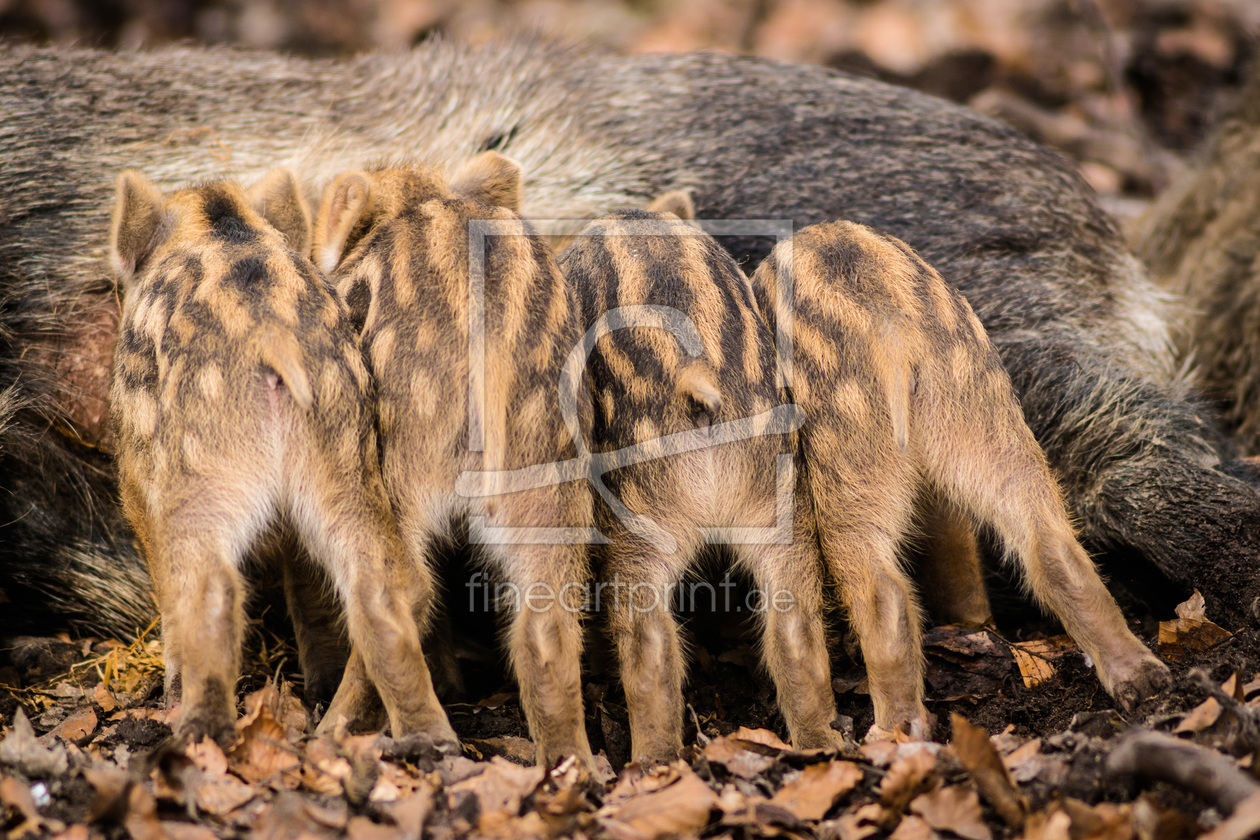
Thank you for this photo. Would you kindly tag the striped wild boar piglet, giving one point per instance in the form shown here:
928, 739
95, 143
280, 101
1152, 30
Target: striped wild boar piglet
466, 348
912, 423
692, 442
241, 405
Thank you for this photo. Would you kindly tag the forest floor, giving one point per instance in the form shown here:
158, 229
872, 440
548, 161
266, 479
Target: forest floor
1026, 744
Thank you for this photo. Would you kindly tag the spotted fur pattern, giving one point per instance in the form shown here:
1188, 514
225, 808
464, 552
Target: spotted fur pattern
241, 405
400, 241
912, 417
649, 387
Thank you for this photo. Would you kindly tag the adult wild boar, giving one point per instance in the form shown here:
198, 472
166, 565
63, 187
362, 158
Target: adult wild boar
1075, 320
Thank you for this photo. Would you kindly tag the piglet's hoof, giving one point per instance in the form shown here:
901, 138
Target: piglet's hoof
191, 730
1148, 679
919, 729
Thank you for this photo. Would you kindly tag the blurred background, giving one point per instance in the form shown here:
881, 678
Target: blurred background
1126, 88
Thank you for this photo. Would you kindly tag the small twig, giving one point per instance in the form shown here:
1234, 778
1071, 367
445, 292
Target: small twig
701, 738
1206, 773
1244, 714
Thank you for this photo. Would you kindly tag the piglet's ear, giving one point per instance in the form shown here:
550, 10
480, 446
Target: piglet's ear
490, 178
139, 224
344, 205
677, 202
278, 199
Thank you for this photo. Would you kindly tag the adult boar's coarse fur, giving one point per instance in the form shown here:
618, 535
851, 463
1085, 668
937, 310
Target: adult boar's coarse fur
1071, 313
1202, 241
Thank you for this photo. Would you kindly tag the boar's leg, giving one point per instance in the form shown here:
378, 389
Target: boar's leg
349, 528
862, 522
795, 646
544, 638
318, 626
201, 599
948, 567
637, 582
1013, 492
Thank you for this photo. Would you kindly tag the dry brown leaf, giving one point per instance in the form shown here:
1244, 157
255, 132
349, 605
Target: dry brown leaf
913, 828
819, 786
1051, 647
505, 825
1007, 741
1193, 608
110, 788
966, 643
736, 758
496, 701
1022, 756
1105, 821
412, 812
1200, 717
78, 726
263, 754
499, 789
15, 795
760, 736
207, 756
363, 752
886, 753
907, 778
22, 750
187, 831
104, 698
532, 824
141, 820
879, 753
955, 809
1051, 824
255, 703
737, 809
512, 747
681, 807
1028, 763
1117, 821
893, 37
361, 828
391, 783
211, 789
290, 712
78, 832
565, 792
859, 824
291, 817
221, 795
1152, 822
977, 754
325, 769
1034, 670
1183, 637
635, 782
